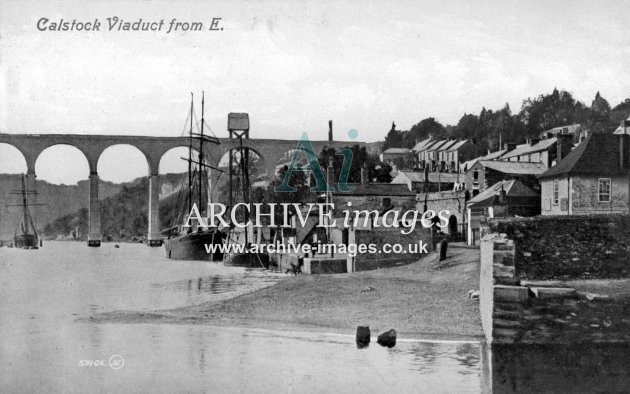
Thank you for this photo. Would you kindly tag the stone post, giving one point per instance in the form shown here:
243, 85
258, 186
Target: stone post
154, 237
94, 231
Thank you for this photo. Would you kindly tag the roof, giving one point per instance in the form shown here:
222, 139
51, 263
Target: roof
597, 155
514, 191
448, 145
514, 167
494, 155
377, 189
439, 145
620, 129
467, 165
568, 129
397, 150
422, 144
457, 145
435, 177
525, 149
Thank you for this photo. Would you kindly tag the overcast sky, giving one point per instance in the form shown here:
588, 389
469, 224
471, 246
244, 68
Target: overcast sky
293, 65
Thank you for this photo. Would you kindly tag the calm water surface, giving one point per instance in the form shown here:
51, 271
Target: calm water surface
43, 292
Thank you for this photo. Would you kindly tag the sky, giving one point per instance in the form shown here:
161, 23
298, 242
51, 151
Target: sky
293, 65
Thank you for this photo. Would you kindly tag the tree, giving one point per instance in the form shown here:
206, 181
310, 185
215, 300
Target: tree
422, 130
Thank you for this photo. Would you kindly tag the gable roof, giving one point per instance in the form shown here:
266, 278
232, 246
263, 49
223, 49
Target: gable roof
437, 146
434, 177
514, 191
448, 145
621, 130
526, 149
422, 145
397, 150
467, 165
494, 155
376, 189
514, 167
457, 145
597, 155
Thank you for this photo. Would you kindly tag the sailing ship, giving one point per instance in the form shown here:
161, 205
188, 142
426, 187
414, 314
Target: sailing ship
189, 242
26, 237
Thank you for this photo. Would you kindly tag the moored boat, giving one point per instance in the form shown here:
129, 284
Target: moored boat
27, 237
194, 242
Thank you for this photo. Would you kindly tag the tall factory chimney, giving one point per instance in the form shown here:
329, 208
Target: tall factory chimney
330, 131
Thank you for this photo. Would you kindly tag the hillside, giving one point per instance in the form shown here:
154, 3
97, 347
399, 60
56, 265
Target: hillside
66, 205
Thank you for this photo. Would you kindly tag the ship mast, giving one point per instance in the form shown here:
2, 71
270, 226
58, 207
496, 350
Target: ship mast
201, 150
190, 154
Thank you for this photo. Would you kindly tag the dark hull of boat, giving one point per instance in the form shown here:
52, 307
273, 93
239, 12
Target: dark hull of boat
193, 246
26, 241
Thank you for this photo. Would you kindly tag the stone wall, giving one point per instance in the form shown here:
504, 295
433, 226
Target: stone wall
381, 236
564, 247
516, 311
451, 201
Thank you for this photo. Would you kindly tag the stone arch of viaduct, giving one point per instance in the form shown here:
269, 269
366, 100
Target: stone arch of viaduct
153, 148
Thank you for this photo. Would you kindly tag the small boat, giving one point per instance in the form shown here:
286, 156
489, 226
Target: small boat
189, 243
27, 237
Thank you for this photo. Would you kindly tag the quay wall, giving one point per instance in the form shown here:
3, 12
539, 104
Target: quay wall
392, 236
557, 247
566, 306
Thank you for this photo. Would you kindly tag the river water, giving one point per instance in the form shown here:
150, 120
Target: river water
44, 348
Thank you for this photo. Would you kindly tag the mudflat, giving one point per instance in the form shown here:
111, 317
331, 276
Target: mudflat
427, 299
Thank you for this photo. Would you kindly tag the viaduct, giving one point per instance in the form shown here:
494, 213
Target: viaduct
153, 148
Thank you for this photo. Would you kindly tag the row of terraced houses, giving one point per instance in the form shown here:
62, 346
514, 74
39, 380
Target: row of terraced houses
565, 171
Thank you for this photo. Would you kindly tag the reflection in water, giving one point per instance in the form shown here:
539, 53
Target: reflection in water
561, 368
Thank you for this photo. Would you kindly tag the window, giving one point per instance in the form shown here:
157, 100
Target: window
476, 175
556, 192
604, 190
387, 202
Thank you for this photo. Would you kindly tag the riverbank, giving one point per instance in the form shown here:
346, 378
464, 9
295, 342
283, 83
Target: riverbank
426, 299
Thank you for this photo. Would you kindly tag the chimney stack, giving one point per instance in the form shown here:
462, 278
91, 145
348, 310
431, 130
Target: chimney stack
509, 146
564, 143
502, 195
330, 129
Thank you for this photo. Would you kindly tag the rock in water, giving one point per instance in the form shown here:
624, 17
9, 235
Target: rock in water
388, 338
363, 336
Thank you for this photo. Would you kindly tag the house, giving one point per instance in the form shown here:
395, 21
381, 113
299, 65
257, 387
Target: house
437, 181
485, 173
443, 155
427, 154
392, 154
503, 199
451, 157
574, 130
543, 151
592, 179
